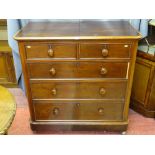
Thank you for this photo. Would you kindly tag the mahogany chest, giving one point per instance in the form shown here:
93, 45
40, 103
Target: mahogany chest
78, 74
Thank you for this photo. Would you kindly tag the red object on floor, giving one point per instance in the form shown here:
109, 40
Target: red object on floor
138, 124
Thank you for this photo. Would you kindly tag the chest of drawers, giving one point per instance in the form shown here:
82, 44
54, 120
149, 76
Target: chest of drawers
78, 75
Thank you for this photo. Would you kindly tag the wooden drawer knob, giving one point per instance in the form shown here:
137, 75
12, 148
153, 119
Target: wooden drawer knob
77, 104
56, 111
104, 52
102, 91
101, 111
52, 71
50, 52
103, 71
54, 91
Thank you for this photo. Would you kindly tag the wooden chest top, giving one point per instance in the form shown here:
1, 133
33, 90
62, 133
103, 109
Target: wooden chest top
77, 30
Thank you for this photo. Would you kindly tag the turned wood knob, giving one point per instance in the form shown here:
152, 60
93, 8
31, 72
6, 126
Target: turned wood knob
102, 91
50, 52
103, 71
104, 52
77, 104
52, 71
55, 111
54, 91
101, 111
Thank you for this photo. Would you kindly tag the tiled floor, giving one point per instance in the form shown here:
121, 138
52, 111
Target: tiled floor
137, 123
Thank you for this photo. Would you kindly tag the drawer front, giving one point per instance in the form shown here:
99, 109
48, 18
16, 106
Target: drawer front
102, 70
78, 70
51, 51
68, 110
98, 90
105, 51
52, 70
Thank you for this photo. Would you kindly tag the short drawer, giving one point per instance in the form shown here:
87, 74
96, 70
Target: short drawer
51, 51
102, 69
52, 70
82, 110
103, 51
82, 90
78, 70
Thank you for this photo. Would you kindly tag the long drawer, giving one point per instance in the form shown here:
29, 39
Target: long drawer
34, 51
95, 51
78, 70
83, 90
79, 110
